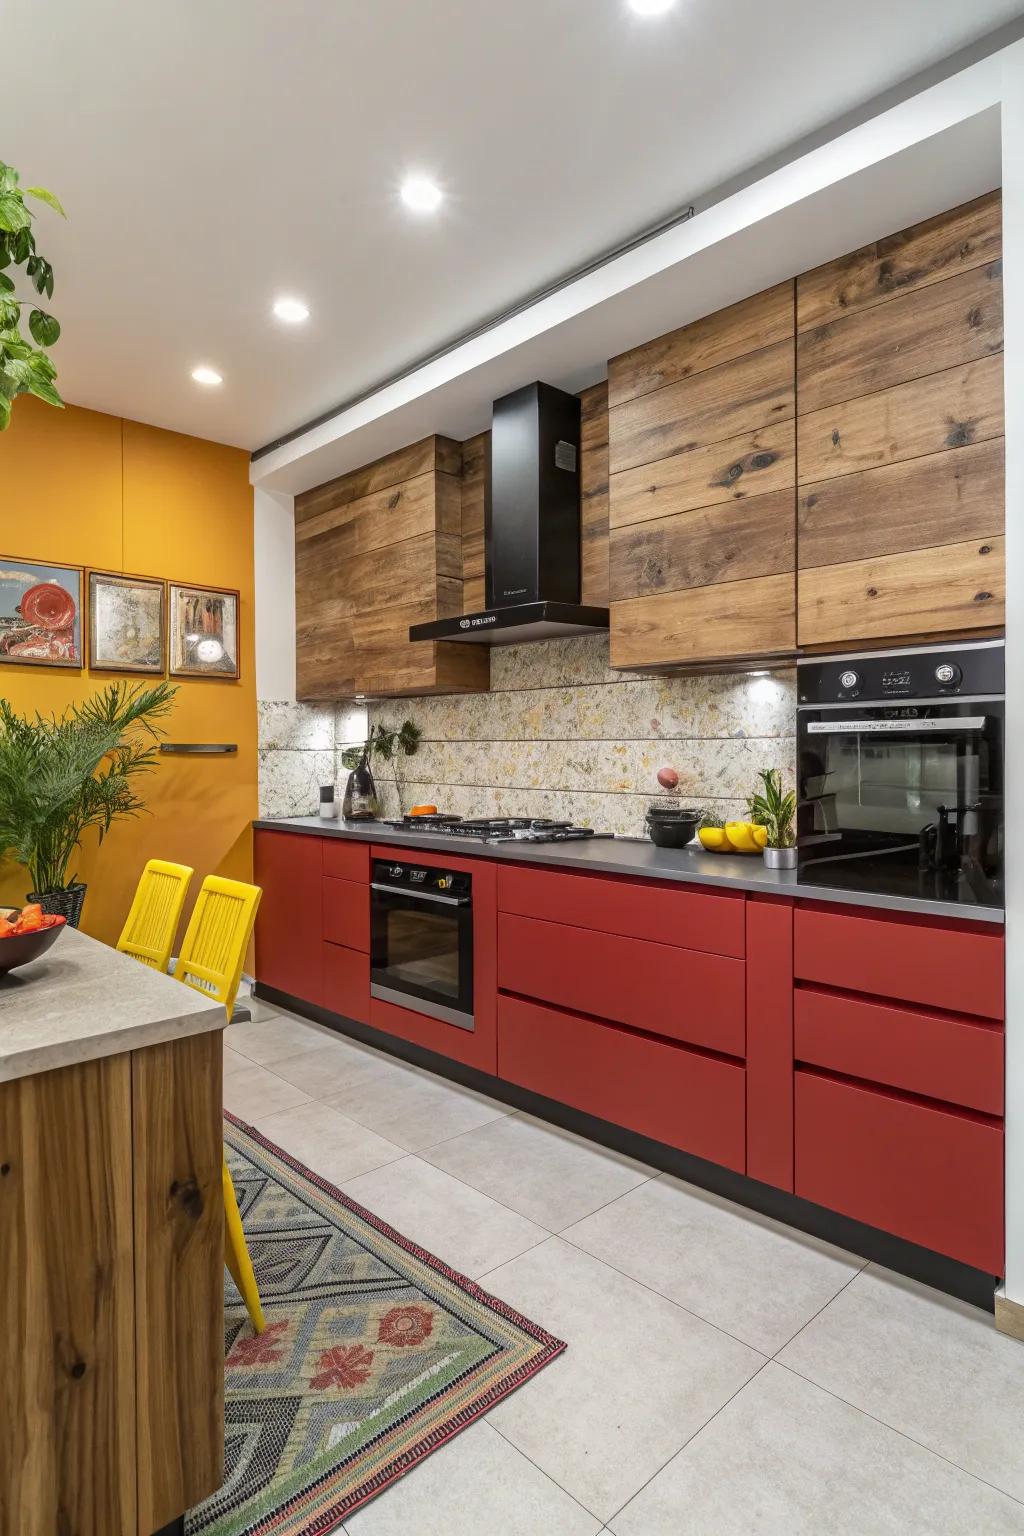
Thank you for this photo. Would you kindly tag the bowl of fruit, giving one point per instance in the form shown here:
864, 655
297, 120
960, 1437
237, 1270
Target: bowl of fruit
27, 934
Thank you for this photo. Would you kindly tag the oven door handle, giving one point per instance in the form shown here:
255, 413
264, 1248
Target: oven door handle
398, 890
887, 727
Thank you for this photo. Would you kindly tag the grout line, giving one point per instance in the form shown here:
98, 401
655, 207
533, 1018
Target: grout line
547, 1475
720, 1409
897, 1431
823, 1308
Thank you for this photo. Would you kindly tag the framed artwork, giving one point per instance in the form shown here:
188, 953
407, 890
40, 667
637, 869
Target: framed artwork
127, 623
204, 631
40, 613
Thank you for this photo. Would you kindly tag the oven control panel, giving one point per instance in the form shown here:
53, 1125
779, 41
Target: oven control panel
918, 674
421, 877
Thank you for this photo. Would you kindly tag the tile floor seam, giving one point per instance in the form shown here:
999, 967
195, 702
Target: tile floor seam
552, 1480
653, 1290
511, 1114
688, 1441
901, 1432
389, 1163
821, 1309
466, 1185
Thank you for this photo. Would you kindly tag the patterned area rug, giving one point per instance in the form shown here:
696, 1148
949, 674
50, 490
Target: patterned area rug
375, 1354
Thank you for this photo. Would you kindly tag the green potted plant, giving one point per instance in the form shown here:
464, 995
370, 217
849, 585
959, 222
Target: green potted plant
24, 368
775, 811
388, 743
59, 776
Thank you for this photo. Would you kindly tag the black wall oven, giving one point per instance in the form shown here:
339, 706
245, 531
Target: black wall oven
421, 940
900, 772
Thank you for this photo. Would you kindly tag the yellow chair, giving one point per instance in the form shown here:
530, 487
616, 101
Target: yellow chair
152, 922
211, 960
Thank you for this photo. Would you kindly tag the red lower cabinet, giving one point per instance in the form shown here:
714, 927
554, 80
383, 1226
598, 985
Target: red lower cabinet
674, 1095
347, 982
921, 1172
288, 868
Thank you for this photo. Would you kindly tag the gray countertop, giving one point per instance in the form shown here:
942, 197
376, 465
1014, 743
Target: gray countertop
83, 1000
625, 856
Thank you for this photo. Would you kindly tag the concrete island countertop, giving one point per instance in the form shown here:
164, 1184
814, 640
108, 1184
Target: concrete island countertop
83, 1000
639, 858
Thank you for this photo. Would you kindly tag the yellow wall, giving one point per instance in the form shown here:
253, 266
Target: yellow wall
84, 489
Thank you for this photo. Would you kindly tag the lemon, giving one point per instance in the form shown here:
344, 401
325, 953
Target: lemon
760, 835
712, 838
739, 835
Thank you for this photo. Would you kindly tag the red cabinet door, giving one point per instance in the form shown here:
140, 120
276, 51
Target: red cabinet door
347, 982
931, 1175
289, 922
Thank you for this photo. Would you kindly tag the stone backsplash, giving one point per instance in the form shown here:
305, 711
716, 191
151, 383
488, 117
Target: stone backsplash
560, 734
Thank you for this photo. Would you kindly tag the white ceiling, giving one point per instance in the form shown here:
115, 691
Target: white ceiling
213, 156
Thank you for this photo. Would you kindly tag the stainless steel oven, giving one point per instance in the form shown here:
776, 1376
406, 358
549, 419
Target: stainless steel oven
421, 940
900, 770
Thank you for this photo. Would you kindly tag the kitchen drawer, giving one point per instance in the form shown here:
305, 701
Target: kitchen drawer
934, 1054
346, 861
347, 982
638, 909
933, 1176
672, 1094
937, 964
346, 906
681, 993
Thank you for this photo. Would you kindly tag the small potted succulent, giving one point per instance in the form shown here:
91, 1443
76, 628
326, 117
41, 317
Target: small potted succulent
775, 811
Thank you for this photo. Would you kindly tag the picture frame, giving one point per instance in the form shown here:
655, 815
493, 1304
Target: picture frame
203, 631
127, 623
41, 619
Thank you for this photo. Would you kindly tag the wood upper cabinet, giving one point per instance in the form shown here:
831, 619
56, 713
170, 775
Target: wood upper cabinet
377, 550
702, 489
900, 435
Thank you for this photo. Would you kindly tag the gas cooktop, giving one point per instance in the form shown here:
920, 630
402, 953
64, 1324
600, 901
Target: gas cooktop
496, 829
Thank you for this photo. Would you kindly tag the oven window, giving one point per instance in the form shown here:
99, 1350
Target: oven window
421, 952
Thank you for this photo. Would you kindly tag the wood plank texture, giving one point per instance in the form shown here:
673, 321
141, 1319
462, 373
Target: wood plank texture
734, 619
372, 547
745, 327
429, 454
736, 397
749, 465
965, 237
940, 326
753, 537
67, 1306
946, 498
952, 588
476, 473
924, 416
594, 496
179, 1274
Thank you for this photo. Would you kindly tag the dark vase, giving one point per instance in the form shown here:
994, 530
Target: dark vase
67, 903
361, 803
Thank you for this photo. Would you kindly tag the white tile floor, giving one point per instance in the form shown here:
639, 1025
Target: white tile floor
725, 1375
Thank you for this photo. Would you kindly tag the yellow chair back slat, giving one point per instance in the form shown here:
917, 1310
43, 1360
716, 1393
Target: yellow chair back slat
217, 937
152, 922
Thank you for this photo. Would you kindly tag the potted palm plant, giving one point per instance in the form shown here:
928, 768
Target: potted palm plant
59, 776
775, 811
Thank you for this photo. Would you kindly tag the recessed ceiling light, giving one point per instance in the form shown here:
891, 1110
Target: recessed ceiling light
421, 194
651, 7
292, 311
206, 375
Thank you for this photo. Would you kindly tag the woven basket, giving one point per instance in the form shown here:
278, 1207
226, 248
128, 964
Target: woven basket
66, 903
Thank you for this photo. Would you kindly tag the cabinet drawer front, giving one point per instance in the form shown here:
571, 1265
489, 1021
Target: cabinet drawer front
673, 1095
347, 913
927, 1053
680, 993
689, 917
347, 982
929, 1175
346, 861
940, 965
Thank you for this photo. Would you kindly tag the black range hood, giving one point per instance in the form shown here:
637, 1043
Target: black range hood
531, 528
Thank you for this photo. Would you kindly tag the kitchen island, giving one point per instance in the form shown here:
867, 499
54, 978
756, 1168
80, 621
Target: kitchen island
111, 1245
